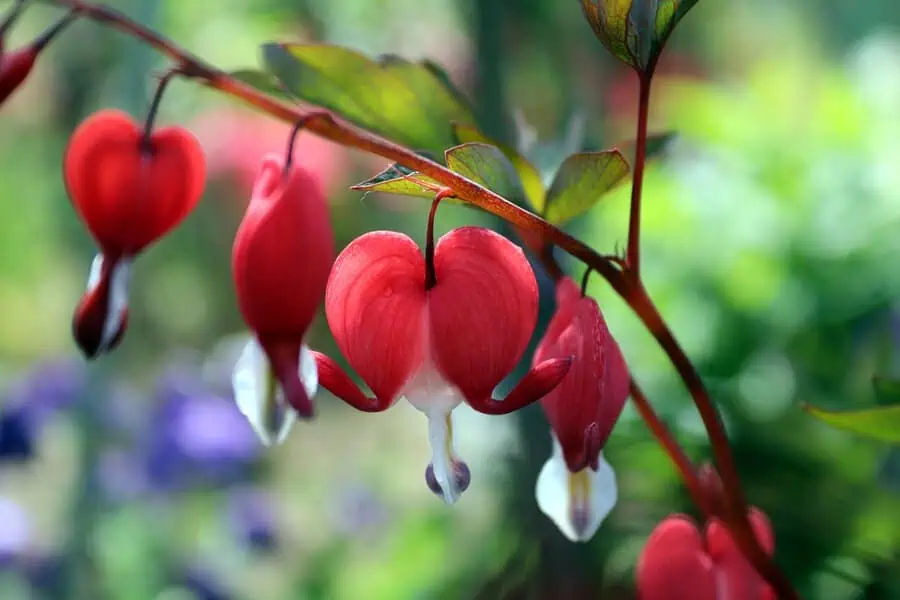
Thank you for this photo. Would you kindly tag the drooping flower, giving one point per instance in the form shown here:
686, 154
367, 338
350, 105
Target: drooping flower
576, 488
681, 563
15, 66
130, 190
283, 251
436, 345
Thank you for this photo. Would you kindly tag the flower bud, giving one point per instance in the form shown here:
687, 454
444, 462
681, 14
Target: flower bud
635, 31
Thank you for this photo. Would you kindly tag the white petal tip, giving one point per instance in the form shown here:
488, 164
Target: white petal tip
577, 503
259, 397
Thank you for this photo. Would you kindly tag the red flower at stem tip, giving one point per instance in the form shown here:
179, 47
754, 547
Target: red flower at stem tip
439, 345
129, 191
283, 251
577, 488
679, 562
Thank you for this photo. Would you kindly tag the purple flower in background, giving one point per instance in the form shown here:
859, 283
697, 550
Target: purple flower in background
202, 584
252, 520
18, 431
197, 437
31, 401
15, 532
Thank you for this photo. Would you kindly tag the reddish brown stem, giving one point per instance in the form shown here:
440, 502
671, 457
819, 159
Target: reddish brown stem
662, 434
625, 283
633, 253
430, 275
736, 505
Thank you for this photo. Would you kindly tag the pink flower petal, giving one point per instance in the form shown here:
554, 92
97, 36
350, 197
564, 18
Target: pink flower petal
283, 252
738, 579
482, 310
674, 565
375, 305
584, 407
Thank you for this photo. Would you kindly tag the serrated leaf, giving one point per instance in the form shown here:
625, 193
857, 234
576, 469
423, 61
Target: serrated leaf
261, 80
400, 180
887, 391
486, 165
882, 423
582, 180
529, 176
400, 100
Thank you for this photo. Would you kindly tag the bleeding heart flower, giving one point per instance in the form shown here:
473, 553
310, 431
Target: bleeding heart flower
129, 191
577, 488
435, 346
282, 255
14, 69
680, 563
16, 66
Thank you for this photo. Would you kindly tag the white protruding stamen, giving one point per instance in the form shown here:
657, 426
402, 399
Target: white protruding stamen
561, 493
429, 393
259, 396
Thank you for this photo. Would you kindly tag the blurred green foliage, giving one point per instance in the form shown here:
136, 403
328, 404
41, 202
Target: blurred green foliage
770, 239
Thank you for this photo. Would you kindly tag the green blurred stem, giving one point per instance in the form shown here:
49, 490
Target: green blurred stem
76, 581
633, 256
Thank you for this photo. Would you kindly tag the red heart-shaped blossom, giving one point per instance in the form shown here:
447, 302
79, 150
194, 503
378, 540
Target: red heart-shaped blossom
281, 258
585, 406
14, 69
130, 192
678, 563
472, 326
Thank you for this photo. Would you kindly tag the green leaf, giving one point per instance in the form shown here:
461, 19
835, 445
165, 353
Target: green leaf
262, 81
529, 176
406, 102
486, 165
887, 391
582, 180
400, 180
881, 423
657, 145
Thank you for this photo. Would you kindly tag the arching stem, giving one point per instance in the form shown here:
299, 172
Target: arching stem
146, 143
430, 277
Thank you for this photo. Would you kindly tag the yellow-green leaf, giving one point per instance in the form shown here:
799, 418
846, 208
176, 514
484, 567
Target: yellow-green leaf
262, 81
881, 423
488, 166
530, 177
406, 102
400, 180
582, 180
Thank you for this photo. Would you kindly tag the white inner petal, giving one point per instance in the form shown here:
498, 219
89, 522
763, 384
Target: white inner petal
117, 305
576, 502
430, 393
259, 396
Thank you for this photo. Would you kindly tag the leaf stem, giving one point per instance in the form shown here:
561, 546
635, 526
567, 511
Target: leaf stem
633, 253
430, 275
161, 87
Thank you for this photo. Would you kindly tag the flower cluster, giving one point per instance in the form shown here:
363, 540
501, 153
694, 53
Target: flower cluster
438, 329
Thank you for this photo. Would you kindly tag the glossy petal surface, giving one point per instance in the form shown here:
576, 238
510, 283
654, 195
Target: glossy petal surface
584, 407
128, 197
283, 252
375, 305
674, 564
483, 309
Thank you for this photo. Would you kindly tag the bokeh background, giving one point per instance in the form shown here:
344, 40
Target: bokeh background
772, 237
